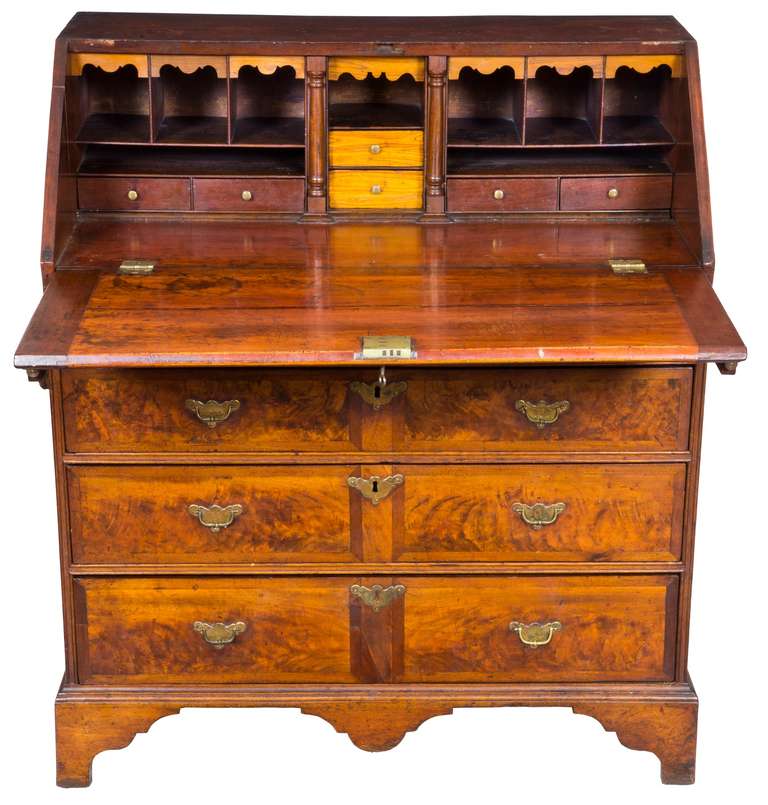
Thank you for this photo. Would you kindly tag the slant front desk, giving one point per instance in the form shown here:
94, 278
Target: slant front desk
376, 351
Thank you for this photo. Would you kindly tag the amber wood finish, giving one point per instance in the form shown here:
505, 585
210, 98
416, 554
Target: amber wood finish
616, 193
309, 514
613, 628
502, 195
368, 149
270, 195
582, 519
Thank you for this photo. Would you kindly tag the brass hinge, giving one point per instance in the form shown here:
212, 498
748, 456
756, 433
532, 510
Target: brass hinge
386, 347
628, 266
136, 268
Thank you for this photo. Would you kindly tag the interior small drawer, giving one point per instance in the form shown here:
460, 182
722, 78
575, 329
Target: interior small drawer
380, 148
502, 195
374, 189
540, 629
616, 193
144, 194
249, 195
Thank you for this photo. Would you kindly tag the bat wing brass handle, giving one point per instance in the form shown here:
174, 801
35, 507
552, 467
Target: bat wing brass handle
535, 634
375, 488
219, 634
215, 517
377, 395
212, 412
377, 597
542, 413
537, 515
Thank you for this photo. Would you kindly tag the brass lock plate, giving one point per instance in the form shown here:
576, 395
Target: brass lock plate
136, 268
385, 347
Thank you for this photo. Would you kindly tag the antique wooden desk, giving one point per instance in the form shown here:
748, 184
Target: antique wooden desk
376, 351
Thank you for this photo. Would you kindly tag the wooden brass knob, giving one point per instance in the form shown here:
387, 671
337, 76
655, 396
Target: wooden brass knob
376, 189
498, 195
375, 149
246, 195
613, 192
132, 195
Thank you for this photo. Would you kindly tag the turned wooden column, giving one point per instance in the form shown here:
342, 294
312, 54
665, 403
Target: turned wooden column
317, 161
437, 67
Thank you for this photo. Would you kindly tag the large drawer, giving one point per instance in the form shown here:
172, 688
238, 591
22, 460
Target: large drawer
597, 628
341, 629
436, 411
470, 513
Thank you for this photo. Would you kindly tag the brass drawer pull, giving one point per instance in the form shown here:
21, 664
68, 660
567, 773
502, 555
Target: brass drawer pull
375, 488
133, 195
219, 634
246, 195
542, 413
212, 412
535, 634
376, 189
375, 148
498, 194
377, 597
537, 515
613, 192
215, 517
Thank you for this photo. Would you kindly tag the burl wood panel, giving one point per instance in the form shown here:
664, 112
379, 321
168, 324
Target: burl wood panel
96, 193
612, 513
614, 409
520, 195
139, 515
634, 193
137, 631
613, 628
144, 410
266, 195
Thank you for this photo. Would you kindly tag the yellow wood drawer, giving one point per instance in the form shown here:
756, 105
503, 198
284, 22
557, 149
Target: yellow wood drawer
369, 189
369, 149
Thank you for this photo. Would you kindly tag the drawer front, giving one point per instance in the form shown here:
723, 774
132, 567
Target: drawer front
606, 409
182, 515
133, 194
249, 195
534, 513
140, 411
616, 193
502, 195
604, 629
142, 630
371, 149
374, 189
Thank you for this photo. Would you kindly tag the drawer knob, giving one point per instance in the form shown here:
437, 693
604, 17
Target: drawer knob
246, 195
133, 195
376, 189
613, 192
535, 634
498, 195
380, 393
212, 412
375, 148
542, 413
219, 634
377, 597
537, 515
215, 517
375, 488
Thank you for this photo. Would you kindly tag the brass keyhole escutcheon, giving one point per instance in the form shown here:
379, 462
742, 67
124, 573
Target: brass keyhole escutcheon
376, 488
613, 192
133, 195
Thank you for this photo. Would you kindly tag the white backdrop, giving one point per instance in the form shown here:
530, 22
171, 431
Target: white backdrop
281, 756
